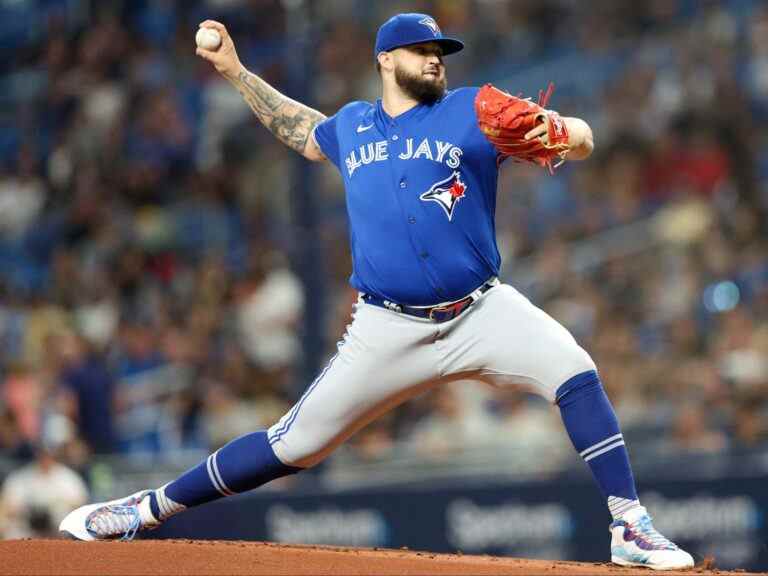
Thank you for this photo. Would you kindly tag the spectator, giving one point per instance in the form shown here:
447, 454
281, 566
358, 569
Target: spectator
86, 374
36, 497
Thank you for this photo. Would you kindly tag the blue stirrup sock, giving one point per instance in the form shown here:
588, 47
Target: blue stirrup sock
594, 431
243, 464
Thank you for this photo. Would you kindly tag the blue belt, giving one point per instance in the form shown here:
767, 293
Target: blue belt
439, 313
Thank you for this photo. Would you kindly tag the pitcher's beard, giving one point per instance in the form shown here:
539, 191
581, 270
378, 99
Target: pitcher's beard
423, 90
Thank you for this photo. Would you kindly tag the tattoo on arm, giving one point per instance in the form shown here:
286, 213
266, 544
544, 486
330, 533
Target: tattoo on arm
290, 121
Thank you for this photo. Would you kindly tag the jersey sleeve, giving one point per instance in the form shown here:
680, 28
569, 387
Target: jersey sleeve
327, 138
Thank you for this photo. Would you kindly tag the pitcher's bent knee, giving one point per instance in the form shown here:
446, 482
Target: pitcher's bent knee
571, 360
581, 361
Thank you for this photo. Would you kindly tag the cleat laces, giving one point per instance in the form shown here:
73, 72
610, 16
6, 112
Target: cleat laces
647, 534
110, 521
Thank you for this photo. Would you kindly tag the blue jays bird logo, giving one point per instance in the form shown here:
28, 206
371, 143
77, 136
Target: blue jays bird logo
431, 24
447, 193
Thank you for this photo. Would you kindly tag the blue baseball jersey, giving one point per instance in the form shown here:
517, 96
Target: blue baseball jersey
420, 195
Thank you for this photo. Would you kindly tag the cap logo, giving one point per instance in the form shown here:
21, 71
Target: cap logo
431, 24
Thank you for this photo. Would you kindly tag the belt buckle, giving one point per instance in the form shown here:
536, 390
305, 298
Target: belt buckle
456, 308
433, 310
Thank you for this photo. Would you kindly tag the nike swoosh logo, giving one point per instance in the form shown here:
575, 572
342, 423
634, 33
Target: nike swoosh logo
361, 128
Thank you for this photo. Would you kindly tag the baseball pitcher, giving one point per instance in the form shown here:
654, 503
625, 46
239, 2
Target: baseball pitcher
420, 169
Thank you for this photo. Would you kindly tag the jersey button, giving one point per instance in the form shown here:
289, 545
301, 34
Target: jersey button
402, 184
394, 137
411, 219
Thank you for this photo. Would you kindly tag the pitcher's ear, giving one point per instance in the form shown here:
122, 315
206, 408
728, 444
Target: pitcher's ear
384, 61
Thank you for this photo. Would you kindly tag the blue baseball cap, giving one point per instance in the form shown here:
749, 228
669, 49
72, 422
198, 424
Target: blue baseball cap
407, 29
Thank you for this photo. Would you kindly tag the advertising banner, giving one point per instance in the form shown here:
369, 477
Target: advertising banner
723, 518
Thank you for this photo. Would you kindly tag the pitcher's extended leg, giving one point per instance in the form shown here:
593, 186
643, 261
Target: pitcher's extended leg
383, 360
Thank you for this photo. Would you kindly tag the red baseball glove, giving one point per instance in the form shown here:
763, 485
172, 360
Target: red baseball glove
506, 119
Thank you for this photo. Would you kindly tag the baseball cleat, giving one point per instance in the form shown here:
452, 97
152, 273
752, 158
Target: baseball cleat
635, 542
121, 518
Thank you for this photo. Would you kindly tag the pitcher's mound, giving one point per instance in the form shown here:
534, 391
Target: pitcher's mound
204, 557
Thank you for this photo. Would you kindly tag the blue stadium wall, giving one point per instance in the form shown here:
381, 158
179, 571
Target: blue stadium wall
724, 519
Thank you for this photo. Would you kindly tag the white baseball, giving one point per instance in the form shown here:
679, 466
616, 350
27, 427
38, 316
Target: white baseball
208, 39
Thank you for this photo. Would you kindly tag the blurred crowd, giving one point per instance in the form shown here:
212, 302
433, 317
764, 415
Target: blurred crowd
150, 298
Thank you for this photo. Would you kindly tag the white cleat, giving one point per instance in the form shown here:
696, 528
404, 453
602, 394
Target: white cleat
635, 542
121, 518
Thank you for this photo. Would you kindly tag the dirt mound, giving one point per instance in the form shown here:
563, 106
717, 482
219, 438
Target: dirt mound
197, 557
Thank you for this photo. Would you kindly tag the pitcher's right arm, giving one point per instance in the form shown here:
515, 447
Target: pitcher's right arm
291, 122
